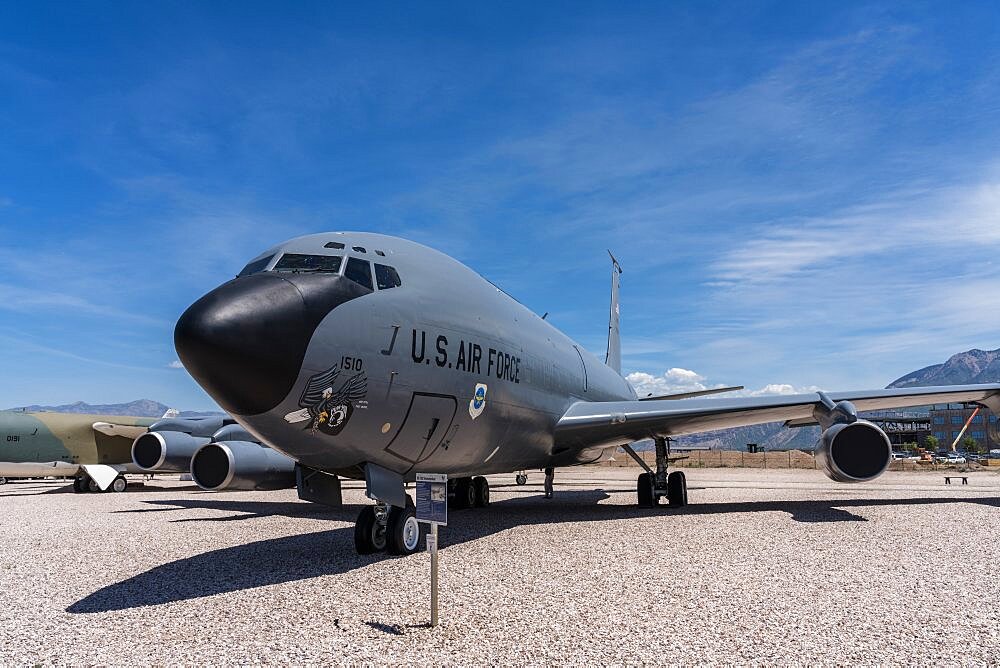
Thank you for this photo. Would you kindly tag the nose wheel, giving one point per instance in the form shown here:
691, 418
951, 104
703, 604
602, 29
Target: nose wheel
383, 528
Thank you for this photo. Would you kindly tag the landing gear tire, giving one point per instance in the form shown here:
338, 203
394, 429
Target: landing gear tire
3, 481
645, 489
521, 479
481, 489
403, 531
677, 490
92, 486
369, 535
465, 493
118, 484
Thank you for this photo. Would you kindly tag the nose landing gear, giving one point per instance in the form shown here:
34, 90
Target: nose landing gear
387, 528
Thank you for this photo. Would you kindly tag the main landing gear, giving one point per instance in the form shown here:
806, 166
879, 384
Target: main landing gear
386, 528
654, 485
469, 492
84, 483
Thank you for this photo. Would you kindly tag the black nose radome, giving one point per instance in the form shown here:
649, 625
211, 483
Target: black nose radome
244, 342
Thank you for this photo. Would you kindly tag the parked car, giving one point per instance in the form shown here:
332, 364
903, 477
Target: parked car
950, 458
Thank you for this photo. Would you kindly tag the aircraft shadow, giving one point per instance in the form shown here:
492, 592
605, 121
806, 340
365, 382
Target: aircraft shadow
331, 552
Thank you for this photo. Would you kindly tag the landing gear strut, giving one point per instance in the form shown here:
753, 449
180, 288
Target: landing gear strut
654, 485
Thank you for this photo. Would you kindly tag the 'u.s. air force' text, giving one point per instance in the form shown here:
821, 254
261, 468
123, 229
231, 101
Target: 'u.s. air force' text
465, 356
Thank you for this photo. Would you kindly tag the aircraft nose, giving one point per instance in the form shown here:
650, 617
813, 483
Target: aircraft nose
244, 342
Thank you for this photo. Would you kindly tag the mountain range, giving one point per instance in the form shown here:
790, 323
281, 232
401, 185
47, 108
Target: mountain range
972, 366
137, 408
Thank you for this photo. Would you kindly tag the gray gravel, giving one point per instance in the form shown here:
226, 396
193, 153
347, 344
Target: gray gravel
764, 567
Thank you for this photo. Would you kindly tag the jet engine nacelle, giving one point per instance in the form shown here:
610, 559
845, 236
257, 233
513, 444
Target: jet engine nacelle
854, 452
241, 465
166, 451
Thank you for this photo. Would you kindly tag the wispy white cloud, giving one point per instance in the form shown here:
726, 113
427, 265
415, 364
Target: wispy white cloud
671, 381
677, 381
176, 364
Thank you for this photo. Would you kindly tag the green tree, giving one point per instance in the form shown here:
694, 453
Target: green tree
970, 444
931, 442
909, 447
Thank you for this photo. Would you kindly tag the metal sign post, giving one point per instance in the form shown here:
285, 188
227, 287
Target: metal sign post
432, 508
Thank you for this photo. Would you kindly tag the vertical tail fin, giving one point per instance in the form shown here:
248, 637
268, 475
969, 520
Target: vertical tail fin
614, 356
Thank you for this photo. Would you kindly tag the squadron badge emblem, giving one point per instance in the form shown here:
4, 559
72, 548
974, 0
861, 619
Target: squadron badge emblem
478, 402
328, 404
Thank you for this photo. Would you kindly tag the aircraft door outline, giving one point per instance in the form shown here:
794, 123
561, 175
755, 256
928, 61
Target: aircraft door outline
427, 422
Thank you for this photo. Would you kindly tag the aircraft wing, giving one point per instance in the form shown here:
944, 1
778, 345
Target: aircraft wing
125, 430
588, 424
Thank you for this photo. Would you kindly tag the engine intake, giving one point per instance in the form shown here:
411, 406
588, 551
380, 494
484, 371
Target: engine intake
241, 465
166, 451
854, 452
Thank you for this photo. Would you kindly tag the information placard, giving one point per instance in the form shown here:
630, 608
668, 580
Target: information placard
432, 498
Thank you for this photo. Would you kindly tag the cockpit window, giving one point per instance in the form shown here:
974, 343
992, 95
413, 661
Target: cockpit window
256, 266
386, 277
360, 249
359, 271
334, 244
296, 262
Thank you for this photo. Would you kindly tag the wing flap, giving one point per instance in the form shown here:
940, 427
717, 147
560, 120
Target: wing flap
594, 424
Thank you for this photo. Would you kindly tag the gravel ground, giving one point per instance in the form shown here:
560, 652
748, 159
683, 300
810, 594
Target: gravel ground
764, 567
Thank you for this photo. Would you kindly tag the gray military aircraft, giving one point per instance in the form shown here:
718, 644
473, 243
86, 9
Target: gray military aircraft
372, 357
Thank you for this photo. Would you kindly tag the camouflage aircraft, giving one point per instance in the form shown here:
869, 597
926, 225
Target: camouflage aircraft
93, 449
97, 450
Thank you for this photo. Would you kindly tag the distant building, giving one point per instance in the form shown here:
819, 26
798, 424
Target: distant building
902, 426
947, 421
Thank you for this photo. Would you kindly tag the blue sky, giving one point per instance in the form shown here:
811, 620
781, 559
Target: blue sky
801, 194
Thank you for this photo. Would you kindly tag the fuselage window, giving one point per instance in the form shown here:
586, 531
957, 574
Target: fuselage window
256, 266
294, 262
386, 277
359, 249
359, 271
378, 252
334, 244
